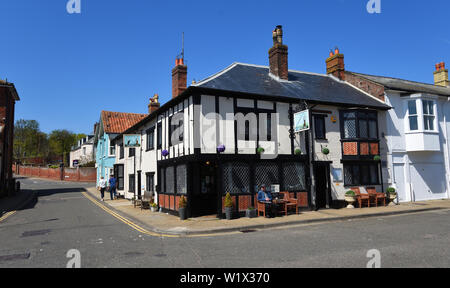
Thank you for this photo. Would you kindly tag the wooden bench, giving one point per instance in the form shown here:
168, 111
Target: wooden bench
291, 202
377, 196
361, 198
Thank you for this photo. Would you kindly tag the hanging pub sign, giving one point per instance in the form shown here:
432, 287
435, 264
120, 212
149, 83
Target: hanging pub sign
301, 121
132, 140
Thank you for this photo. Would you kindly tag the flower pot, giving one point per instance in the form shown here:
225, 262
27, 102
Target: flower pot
250, 213
182, 213
154, 209
350, 200
228, 212
392, 197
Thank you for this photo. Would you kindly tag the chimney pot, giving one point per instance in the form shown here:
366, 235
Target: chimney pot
441, 75
179, 78
335, 64
278, 55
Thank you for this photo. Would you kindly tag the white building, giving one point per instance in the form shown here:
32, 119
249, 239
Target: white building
207, 140
83, 152
418, 128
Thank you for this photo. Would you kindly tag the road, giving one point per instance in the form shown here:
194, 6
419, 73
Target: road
61, 219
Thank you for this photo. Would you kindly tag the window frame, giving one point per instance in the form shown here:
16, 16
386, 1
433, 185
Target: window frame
360, 115
321, 117
131, 188
359, 166
150, 143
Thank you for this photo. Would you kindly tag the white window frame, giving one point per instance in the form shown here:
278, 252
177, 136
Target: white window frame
419, 98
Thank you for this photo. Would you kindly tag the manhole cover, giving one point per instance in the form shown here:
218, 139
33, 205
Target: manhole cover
248, 231
13, 257
35, 233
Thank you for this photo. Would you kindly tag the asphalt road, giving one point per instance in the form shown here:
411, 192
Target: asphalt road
61, 219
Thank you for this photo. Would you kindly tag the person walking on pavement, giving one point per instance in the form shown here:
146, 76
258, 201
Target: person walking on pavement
102, 187
112, 187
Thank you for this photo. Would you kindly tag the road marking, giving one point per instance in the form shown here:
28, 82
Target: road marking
7, 215
143, 230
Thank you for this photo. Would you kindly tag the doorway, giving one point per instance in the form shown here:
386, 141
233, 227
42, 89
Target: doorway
205, 199
322, 184
139, 192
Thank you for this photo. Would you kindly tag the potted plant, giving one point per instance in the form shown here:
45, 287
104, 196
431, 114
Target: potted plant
392, 193
377, 158
298, 152
250, 212
325, 151
154, 207
182, 208
260, 150
350, 197
228, 206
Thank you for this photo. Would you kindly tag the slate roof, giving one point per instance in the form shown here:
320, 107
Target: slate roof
406, 85
118, 122
253, 79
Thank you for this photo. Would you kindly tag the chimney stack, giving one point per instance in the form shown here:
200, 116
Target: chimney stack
179, 77
278, 55
154, 104
441, 75
335, 64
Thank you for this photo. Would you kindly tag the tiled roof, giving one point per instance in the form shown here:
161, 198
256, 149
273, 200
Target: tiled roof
406, 85
118, 122
253, 79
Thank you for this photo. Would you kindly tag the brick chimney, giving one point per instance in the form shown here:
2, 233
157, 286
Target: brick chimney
154, 104
441, 75
278, 55
179, 78
335, 64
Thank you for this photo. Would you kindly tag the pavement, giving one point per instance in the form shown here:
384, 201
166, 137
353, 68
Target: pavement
167, 224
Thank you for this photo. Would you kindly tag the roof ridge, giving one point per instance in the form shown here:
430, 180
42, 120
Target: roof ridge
395, 78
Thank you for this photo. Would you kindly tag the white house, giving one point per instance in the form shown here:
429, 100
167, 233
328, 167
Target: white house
417, 132
234, 131
83, 152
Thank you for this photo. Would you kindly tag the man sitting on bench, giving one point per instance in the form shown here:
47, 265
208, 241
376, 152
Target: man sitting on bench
266, 198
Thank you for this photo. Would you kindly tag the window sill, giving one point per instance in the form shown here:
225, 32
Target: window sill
422, 132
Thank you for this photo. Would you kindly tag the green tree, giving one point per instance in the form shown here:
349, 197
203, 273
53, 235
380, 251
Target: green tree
61, 142
29, 141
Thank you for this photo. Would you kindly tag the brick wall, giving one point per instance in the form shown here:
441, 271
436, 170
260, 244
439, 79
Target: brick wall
367, 86
84, 174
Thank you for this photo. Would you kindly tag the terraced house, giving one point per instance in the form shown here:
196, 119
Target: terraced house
418, 130
235, 131
110, 125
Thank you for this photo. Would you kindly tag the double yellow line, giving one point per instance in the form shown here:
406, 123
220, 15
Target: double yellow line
7, 215
143, 230
126, 221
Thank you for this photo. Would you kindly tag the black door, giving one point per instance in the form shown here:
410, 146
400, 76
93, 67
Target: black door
204, 200
323, 192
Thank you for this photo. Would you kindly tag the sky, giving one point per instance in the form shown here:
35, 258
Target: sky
116, 54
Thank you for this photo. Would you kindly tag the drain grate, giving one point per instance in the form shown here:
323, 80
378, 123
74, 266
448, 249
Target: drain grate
14, 257
35, 233
248, 231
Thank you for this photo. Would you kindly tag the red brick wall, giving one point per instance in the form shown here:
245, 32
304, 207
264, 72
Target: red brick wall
84, 174
302, 198
368, 86
350, 148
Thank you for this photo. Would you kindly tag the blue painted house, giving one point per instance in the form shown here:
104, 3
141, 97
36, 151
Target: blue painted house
110, 125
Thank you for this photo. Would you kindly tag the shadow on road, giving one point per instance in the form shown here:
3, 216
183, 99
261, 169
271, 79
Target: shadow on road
38, 193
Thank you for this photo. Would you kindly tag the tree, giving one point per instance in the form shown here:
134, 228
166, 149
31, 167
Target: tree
61, 142
29, 141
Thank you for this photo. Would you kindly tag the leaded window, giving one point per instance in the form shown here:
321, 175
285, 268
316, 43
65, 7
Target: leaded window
181, 179
266, 173
294, 177
236, 178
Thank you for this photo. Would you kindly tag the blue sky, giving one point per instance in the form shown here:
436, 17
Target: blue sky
116, 54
